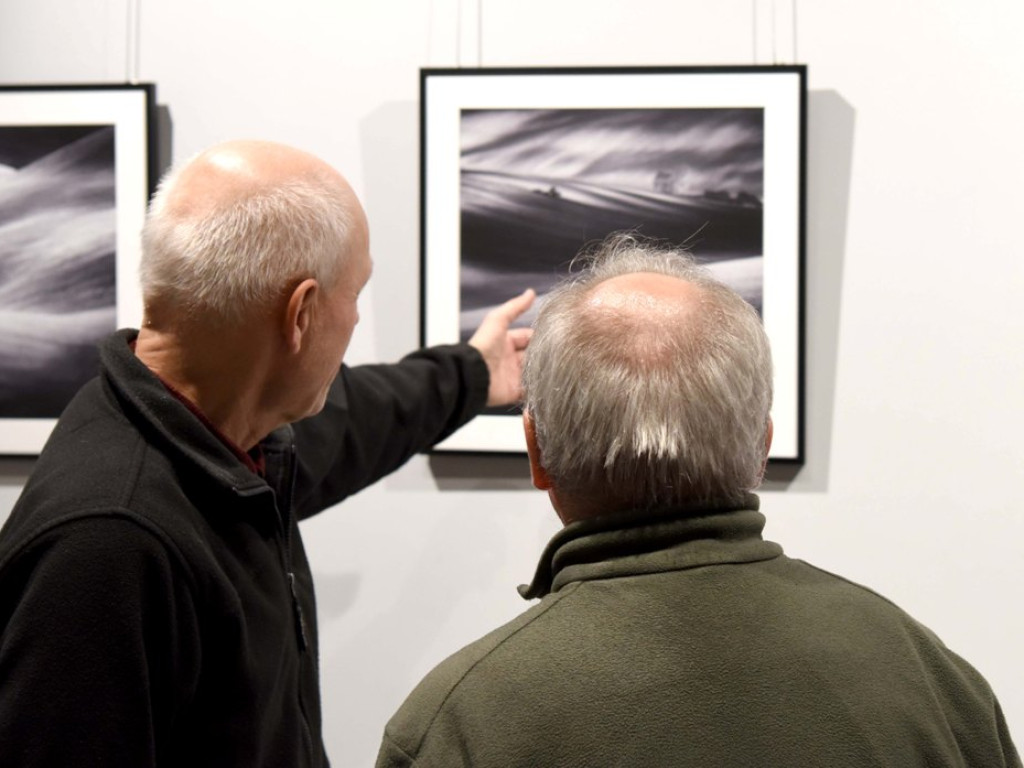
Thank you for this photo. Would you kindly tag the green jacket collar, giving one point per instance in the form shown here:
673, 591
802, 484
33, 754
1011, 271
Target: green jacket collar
634, 543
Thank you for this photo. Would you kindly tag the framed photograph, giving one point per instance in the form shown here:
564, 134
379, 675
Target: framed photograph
522, 168
76, 171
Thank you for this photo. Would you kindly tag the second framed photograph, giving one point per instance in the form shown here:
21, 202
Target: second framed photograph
75, 177
523, 168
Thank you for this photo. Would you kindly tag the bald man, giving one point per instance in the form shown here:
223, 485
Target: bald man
156, 604
669, 632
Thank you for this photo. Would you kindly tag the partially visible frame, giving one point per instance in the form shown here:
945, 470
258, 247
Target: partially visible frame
76, 171
521, 168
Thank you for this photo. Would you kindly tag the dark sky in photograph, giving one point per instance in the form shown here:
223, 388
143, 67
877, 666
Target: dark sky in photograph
21, 145
720, 149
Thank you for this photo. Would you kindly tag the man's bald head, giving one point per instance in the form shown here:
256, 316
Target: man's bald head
228, 173
240, 223
648, 382
638, 306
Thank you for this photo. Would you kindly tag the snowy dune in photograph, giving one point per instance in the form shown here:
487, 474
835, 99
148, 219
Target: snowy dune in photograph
57, 274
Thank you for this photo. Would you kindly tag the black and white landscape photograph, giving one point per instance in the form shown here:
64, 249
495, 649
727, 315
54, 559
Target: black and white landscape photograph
57, 262
536, 185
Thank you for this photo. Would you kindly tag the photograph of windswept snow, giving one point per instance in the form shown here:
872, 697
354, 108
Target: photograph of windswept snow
536, 185
57, 262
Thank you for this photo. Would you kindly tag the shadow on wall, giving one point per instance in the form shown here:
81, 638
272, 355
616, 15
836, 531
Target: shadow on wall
481, 472
390, 141
448, 577
830, 132
390, 138
14, 471
164, 142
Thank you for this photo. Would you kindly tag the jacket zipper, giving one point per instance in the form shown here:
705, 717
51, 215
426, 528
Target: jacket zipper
301, 633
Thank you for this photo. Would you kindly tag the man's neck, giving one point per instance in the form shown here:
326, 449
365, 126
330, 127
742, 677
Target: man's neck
221, 374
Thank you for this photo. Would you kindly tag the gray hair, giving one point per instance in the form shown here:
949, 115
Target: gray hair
649, 414
242, 255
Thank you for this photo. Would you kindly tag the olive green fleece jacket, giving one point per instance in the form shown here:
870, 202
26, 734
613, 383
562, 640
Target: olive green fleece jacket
685, 639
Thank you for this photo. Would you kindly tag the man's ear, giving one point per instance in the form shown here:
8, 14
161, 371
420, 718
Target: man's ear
538, 474
298, 316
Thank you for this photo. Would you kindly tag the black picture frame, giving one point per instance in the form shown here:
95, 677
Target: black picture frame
520, 168
77, 167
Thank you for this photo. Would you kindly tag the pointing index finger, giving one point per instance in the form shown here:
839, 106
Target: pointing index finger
515, 306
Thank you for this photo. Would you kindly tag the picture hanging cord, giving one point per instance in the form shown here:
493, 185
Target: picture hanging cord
774, 28
479, 33
753, 8
430, 33
753, 31
458, 35
795, 59
775, 37
754, 35
133, 31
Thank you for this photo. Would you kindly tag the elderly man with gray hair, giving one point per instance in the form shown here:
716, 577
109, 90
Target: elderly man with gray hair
156, 603
669, 632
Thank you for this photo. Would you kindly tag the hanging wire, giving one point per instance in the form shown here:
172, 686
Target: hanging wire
795, 59
430, 33
458, 35
753, 37
771, 10
775, 37
133, 31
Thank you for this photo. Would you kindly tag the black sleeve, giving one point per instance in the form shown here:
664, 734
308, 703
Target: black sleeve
99, 641
378, 416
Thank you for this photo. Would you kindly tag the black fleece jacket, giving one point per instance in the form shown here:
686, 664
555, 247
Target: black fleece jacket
156, 604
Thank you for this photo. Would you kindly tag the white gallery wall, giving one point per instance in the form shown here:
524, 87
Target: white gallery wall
915, 278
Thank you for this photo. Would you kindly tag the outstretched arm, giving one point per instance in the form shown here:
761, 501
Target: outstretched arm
377, 416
